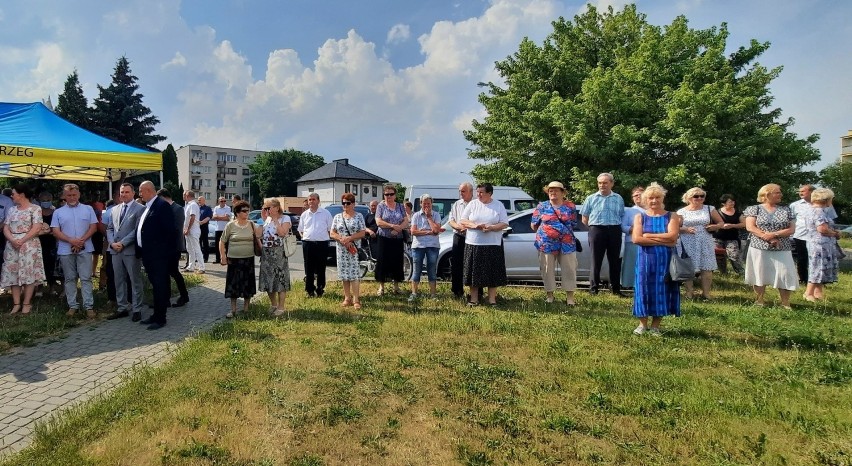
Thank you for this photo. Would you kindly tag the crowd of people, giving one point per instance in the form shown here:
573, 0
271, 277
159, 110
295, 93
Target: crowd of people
151, 230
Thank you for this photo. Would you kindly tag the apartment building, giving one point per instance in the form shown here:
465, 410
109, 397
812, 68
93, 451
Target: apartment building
846, 147
215, 171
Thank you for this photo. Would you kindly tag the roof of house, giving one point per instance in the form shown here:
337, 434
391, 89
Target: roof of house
340, 169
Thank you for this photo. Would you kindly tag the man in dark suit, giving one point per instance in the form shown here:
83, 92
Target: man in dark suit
122, 220
174, 267
155, 244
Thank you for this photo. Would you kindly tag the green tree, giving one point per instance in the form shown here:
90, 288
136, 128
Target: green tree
275, 172
119, 113
170, 169
838, 177
610, 92
72, 103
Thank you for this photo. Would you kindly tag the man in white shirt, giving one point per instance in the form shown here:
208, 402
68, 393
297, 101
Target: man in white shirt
192, 232
800, 245
459, 231
221, 217
314, 225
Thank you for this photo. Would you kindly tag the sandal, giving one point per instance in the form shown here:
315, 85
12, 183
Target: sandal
346, 302
15, 309
26, 309
356, 305
279, 312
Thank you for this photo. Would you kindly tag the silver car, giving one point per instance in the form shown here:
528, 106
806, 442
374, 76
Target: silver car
521, 255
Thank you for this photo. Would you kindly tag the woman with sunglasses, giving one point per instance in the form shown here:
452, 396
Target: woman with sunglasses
392, 221
274, 266
697, 222
347, 229
237, 251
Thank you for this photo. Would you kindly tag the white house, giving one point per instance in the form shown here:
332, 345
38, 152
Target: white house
337, 177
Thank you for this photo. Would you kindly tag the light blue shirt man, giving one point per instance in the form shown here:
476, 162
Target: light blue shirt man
74, 222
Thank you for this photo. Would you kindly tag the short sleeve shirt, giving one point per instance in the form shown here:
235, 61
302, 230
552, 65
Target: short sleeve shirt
395, 216
555, 231
770, 221
73, 222
603, 210
419, 221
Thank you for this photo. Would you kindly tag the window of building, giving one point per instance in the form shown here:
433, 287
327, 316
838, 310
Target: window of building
231, 158
229, 196
231, 171
246, 159
375, 192
246, 183
221, 156
310, 190
208, 156
246, 172
346, 188
207, 182
231, 183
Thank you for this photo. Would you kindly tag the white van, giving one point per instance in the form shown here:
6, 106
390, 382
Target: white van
444, 195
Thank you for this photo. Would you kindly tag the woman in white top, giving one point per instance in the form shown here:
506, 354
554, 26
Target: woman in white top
484, 262
425, 228
697, 222
274, 266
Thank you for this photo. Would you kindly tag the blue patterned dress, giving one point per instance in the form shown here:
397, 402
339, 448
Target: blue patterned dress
655, 295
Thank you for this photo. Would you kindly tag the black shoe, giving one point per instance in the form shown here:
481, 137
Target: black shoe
117, 315
311, 294
319, 294
593, 291
180, 302
148, 321
137, 316
156, 326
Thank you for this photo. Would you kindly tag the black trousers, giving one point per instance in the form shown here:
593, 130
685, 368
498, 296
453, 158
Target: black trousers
457, 264
205, 245
605, 240
217, 237
315, 255
801, 250
158, 274
174, 272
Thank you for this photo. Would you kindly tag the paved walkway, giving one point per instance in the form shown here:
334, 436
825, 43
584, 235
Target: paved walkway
47, 378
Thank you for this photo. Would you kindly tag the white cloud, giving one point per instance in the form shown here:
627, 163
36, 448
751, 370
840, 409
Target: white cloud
398, 33
603, 5
177, 60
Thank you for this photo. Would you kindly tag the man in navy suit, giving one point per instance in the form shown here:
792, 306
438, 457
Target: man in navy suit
122, 221
155, 244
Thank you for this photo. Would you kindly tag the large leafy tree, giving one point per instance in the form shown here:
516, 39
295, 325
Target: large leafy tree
275, 173
72, 103
838, 177
119, 113
610, 92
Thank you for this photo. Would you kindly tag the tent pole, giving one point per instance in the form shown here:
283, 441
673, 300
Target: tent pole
161, 178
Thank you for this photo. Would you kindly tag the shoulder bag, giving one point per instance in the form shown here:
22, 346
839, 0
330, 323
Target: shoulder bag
258, 250
351, 248
681, 267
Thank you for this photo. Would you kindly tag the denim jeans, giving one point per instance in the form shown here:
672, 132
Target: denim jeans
76, 266
431, 255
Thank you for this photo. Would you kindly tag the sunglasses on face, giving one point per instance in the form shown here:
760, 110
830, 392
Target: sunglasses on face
390, 194
242, 211
346, 203
267, 208
698, 196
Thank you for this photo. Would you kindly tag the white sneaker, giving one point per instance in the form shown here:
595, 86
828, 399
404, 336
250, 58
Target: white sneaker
655, 332
412, 297
639, 330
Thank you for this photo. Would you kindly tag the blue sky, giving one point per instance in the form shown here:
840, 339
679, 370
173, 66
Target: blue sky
388, 84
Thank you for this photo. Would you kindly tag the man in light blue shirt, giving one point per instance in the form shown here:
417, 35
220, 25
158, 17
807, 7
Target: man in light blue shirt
603, 212
73, 226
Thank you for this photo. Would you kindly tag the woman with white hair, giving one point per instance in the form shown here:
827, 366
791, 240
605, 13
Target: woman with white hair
823, 252
697, 221
770, 256
425, 228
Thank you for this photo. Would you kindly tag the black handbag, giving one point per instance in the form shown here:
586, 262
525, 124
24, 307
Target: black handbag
681, 267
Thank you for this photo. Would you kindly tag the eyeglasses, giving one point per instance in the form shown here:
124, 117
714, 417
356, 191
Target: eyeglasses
698, 196
267, 208
347, 203
242, 211
390, 194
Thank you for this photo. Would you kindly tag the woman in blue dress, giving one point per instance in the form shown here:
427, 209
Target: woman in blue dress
655, 232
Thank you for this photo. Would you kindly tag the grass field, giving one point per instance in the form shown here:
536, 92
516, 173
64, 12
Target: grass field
525, 383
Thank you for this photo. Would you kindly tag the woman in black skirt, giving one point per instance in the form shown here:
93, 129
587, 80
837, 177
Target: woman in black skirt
484, 262
237, 251
392, 222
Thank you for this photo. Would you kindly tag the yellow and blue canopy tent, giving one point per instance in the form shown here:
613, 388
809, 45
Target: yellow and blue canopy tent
37, 143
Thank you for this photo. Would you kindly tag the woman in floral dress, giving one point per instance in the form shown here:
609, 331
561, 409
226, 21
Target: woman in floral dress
23, 266
274, 266
697, 221
347, 229
823, 251
554, 221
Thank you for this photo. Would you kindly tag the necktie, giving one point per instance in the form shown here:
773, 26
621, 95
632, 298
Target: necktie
123, 212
